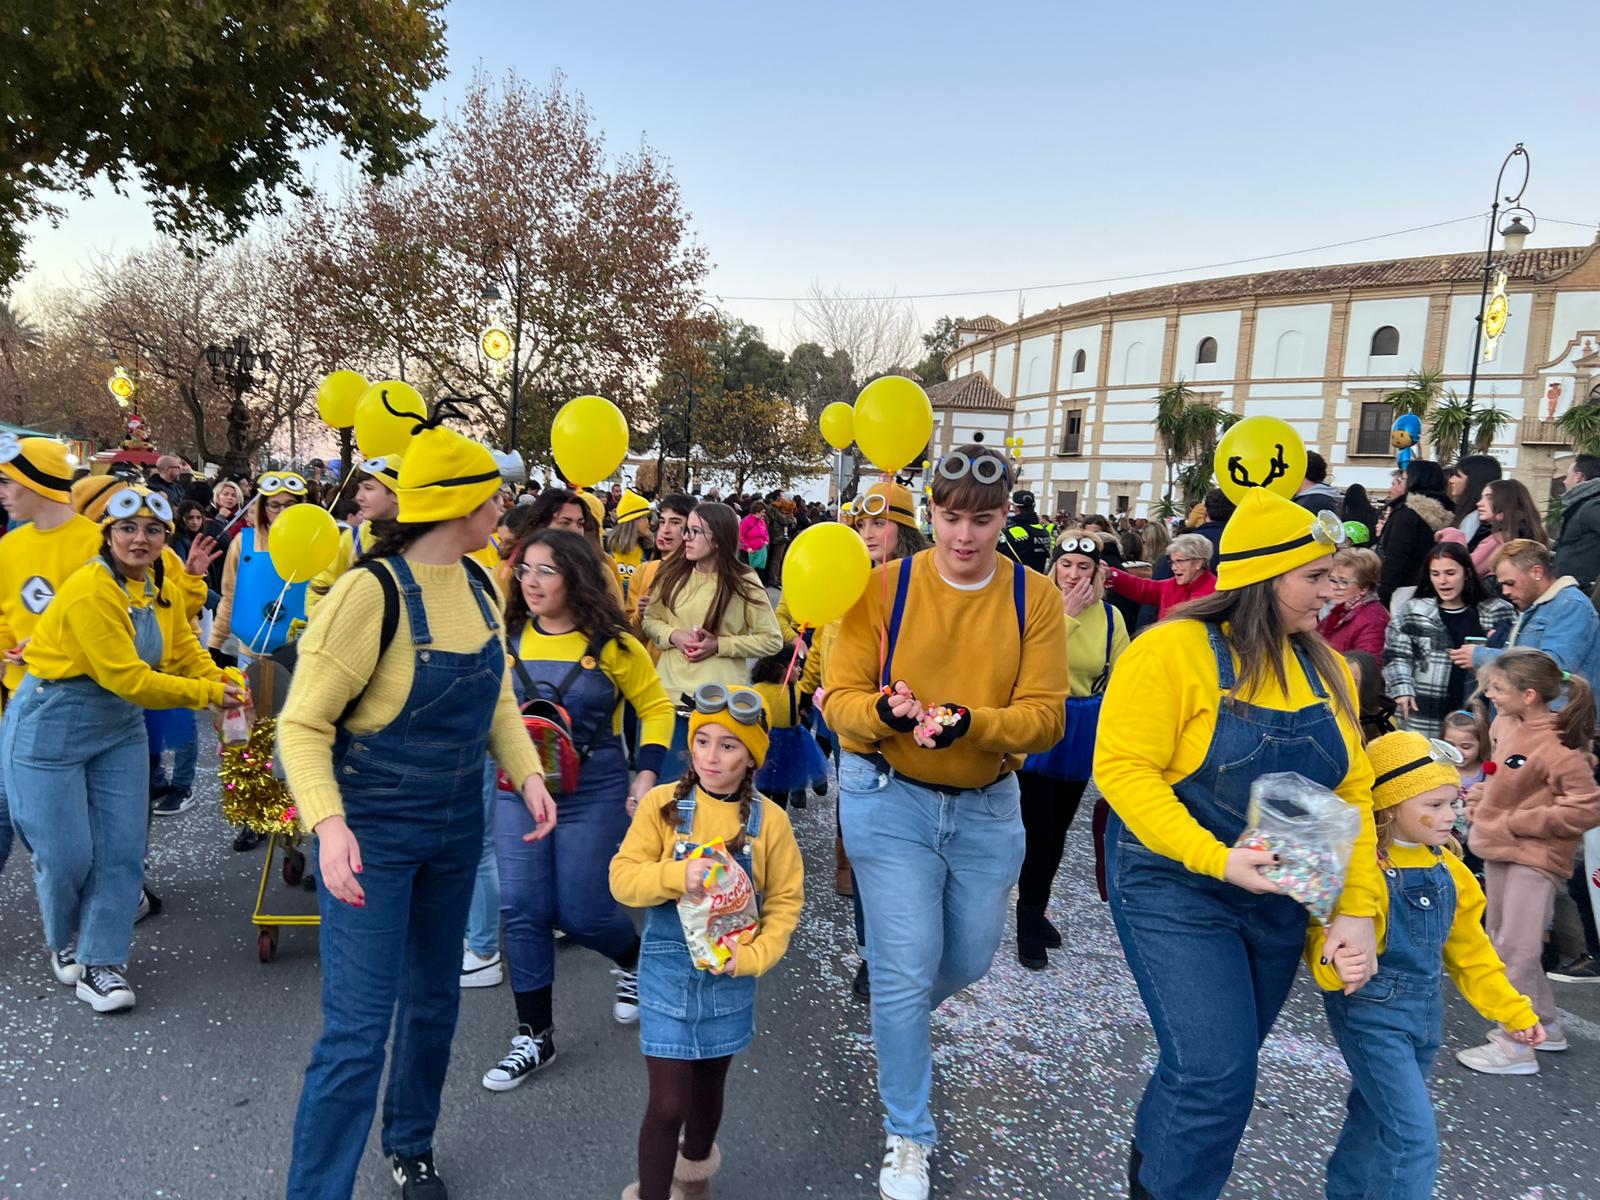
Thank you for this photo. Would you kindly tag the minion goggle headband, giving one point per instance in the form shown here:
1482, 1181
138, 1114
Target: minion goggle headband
273, 483
743, 706
1439, 751
386, 466
985, 468
1326, 530
130, 502
876, 504
1087, 546
11, 455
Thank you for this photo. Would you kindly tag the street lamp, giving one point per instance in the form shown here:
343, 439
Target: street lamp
235, 366
1515, 235
491, 295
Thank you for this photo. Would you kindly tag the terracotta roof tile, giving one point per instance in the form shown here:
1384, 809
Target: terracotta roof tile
983, 324
973, 393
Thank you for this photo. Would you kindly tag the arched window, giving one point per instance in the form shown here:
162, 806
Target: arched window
1133, 364
1288, 353
1207, 352
1080, 362
1385, 341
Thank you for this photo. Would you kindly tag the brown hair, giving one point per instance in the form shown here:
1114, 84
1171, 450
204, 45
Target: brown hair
733, 577
1364, 565
688, 781
1473, 718
590, 603
967, 494
1517, 515
1527, 669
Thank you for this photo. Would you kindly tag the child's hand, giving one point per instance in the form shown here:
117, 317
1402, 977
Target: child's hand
1531, 1036
732, 965
1351, 965
694, 877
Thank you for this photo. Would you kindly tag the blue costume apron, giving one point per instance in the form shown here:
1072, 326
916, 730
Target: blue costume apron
1214, 963
794, 760
1389, 1032
684, 1012
413, 798
260, 618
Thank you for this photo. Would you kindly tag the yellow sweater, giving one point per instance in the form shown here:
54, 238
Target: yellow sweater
625, 663
1155, 729
645, 873
34, 564
343, 559
817, 659
777, 697
643, 580
786, 622
87, 632
959, 647
1086, 646
338, 658
1469, 958
749, 630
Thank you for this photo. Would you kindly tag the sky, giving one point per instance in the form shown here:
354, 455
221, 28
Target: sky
935, 147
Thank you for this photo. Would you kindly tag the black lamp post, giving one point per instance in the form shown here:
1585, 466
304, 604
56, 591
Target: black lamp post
236, 366
491, 294
1515, 234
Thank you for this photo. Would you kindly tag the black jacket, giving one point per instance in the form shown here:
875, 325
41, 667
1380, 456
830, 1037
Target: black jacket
1578, 550
1407, 538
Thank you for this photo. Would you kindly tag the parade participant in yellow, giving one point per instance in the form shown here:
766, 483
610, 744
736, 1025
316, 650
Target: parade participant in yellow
383, 740
672, 515
116, 642
594, 529
629, 541
376, 500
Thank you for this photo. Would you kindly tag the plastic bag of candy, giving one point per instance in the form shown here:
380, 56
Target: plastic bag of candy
1311, 830
713, 922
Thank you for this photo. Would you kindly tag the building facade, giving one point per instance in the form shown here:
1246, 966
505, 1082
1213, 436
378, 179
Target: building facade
1317, 346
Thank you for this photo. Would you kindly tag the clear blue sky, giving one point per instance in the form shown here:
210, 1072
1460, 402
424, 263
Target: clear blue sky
939, 147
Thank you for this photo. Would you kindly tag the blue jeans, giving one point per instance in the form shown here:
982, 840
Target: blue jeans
939, 869
6, 834
483, 918
76, 759
179, 781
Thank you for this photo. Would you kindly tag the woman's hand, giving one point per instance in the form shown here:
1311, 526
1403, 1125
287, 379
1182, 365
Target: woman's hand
704, 646
694, 877
1406, 706
681, 639
536, 796
202, 553
1357, 938
233, 695
339, 861
1244, 870
1077, 597
644, 603
642, 783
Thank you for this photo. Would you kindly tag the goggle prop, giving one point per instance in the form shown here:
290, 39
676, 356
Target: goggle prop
272, 483
130, 502
1326, 530
743, 706
985, 468
1439, 751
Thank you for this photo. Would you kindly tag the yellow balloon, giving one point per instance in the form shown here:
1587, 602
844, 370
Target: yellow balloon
893, 422
838, 425
589, 439
302, 542
824, 573
1260, 452
385, 416
337, 397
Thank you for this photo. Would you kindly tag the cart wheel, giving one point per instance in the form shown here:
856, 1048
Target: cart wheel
293, 867
267, 944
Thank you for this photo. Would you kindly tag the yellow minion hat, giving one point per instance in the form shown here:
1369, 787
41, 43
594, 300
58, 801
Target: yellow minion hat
1268, 536
902, 510
754, 734
131, 499
89, 494
444, 476
42, 465
631, 507
1408, 764
385, 469
595, 505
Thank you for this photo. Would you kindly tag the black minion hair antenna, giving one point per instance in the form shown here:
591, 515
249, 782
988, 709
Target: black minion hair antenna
450, 408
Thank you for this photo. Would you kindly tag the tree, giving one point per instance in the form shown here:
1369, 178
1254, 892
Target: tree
1187, 429
758, 436
939, 341
1423, 390
745, 360
209, 106
879, 333
53, 370
817, 378
1581, 423
1447, 424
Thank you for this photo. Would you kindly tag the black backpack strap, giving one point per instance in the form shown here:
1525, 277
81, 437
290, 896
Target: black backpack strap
390, 624
595, 647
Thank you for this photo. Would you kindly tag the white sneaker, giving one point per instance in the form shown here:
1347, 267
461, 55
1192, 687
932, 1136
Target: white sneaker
905, 1170
528, 1054
1555, 1040
626, 1009
104, 989
143, 910
67, 969
481, 972
1500, 1056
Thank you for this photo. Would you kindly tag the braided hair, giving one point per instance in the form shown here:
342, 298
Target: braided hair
688, 781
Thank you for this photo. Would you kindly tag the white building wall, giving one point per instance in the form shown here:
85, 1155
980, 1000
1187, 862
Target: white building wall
1005, 358
1136, 348
1033, 370
1408, 314
1462, 325
1575, 313
1086, 339
1291, 341
1193, 328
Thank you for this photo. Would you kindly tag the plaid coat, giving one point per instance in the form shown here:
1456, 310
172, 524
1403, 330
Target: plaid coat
1416, 657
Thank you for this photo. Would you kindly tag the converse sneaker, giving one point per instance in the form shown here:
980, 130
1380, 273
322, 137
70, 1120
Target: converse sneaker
172, 804
150, 905
65, 966
1500, 1056
1582, 969
905, 1170
418, 1178
626, 1009
528, 1054
104, 989
481, 972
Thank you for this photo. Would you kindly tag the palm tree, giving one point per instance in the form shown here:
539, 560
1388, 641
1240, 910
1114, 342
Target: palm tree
1448, 421
1422, 391
1187, 429
1581, 423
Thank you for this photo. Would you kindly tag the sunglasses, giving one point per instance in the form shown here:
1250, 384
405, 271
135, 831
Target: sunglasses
541, 571
271, 484
984, 468
128, 502
742, 705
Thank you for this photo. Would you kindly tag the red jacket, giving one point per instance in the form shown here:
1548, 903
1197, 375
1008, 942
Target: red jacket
1358, 628
1163, 593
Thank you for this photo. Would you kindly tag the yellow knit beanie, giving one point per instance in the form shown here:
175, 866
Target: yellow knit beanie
386, 470
631, 507
42, 465
89, 494
1269, 536
902, 509
444, 476
1408, 764
756, 737
595, 505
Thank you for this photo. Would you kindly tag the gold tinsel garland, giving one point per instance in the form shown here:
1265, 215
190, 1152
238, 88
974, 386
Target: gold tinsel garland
251, 796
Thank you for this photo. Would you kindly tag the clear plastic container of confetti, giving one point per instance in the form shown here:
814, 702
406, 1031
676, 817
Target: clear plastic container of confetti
1311, 830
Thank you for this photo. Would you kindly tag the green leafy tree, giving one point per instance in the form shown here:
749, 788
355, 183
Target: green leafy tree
1187, 429
209, 106
1581, 423
1423, 390
817, 377
939, 341
744, 359
758, 437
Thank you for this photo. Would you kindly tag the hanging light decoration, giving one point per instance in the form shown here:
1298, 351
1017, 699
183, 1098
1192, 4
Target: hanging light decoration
122, 387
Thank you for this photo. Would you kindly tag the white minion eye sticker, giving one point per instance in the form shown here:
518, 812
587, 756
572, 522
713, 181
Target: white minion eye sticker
295, 485
270, 485
375, 466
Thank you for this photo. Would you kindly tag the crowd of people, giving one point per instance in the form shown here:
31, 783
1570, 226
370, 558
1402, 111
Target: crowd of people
1426, 662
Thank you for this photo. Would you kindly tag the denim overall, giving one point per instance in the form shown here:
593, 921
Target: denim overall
1214, 963
260, 619
77, 762
413, 798
1389, 1032
685, 1012
564, 880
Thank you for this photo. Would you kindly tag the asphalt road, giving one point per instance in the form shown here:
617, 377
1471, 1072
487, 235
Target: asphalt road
191, 1095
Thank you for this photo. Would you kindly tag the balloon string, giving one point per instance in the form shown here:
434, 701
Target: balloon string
788, 672
277, 611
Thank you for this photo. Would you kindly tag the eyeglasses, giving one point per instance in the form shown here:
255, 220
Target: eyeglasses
127, 502
280, 505
132, 529
743, 705
272, 483
985, 468
1337, 580
540, 571
690, 533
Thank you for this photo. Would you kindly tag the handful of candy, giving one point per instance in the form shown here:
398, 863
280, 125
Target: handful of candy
936, 720
1311, 830
234, 724
713, 922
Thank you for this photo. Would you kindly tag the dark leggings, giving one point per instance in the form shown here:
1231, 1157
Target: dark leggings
686, 1097
1048, 806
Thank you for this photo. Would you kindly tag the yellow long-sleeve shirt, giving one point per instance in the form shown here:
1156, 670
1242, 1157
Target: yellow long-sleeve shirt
778, 699
87, 632
1469, 957
955, 646
817, 659
787, 626
645, 873
1155, 729
749, 630
338, 660
626, 663
644, 579
1086, 646
34, 564
322, 582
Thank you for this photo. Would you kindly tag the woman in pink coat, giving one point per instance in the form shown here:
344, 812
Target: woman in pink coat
753, 537
1358, 619
1190, 556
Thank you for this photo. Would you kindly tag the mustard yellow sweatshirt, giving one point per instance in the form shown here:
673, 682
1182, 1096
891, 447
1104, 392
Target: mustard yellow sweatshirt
338, 658
34, 564
959, 647
1086, 646
87, 632
749, 630
645, 873
817, 660
1155, 729
1469, 958
344, 558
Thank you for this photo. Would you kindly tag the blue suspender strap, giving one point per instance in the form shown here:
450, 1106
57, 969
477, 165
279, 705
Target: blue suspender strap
1219, 647
1019, 597
752, 827
411, 593
902, 589
480, 589
1109, 626
1312, 677
686, 815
